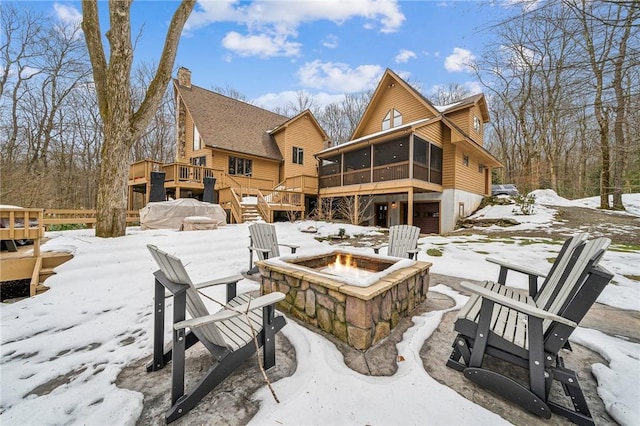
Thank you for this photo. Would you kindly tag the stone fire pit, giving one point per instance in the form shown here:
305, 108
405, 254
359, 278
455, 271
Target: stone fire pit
358, 311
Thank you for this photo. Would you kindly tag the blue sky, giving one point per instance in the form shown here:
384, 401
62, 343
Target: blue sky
268, 50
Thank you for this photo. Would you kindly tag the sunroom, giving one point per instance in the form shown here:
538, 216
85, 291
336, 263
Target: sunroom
388, 171
375, 165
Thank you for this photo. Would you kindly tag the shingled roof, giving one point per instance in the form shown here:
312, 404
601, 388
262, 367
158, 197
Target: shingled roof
230, 124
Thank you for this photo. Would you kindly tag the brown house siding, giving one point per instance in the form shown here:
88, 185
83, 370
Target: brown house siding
468, 178
301, 133
448, 161
431, 132
477, 137
264, 172
462, 119
400, 99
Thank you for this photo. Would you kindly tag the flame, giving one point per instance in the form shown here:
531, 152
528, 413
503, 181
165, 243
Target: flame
344, 263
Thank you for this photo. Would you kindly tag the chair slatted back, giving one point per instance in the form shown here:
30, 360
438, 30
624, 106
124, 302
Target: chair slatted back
402, 238
585, 257
173, 269
263, 236
554, 277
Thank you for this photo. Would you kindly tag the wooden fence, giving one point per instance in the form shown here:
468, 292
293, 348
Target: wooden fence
80, 217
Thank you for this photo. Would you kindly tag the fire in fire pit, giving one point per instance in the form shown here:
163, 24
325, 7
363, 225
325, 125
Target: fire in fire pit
355, 297
345, 265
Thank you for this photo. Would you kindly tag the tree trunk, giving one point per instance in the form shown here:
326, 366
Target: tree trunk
122, 125
111, 208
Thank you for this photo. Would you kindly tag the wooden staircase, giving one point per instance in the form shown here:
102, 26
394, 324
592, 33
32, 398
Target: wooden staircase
250, 213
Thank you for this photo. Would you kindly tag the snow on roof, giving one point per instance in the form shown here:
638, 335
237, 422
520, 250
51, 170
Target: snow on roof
443, 108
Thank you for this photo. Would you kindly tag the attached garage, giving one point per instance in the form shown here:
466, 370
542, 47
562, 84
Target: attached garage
426, 216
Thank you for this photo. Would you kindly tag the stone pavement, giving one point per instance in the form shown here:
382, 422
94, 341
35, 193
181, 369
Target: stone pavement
231, 403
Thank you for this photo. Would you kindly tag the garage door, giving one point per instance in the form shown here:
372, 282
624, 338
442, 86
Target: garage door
426, 216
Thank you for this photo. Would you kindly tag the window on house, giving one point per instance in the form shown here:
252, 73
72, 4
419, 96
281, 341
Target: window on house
357, 166
329, 171
197, 140
465, 160
435, 165
298, 155
330, 166
394, 151
397, 118
199, 161
477, 124
240, 166
386, 122
393, 117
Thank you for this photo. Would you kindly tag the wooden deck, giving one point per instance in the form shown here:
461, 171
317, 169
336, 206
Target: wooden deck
25, 262
23, 265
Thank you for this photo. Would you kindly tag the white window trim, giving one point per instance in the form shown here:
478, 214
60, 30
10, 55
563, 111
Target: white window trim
197, 140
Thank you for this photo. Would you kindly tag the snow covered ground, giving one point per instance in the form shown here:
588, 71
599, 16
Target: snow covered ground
62, 350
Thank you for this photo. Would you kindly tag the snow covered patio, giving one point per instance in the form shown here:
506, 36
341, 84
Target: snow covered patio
76, 353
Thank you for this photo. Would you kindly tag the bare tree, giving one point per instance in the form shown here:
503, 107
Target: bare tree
606, 29
449, 93
22, 41
356, 208
123, 124
158, 140
340, 119
303, 101
231, 92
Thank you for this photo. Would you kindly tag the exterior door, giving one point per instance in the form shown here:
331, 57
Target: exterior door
426, 216
382, 211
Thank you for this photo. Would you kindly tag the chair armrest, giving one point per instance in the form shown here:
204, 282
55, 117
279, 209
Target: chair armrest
518, 268
516, 304
259, 249
293, 247
232, 279
226, 313
376, 249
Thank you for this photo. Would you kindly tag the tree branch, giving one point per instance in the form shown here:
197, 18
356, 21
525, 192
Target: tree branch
156, 89
91, 28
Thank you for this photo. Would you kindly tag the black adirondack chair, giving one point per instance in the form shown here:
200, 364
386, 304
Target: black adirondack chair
529, 332
228, 334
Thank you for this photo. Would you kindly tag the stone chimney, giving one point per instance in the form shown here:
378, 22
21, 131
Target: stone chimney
184, 77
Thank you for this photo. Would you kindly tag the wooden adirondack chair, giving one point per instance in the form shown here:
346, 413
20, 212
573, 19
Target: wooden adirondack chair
264, 241
403, 241
228, 334
529, 332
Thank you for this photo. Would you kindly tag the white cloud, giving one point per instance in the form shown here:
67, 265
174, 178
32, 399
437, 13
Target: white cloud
330, 41
404, 56
282, 18
68, 14
260, 45
459, 60
525, 5
337, 77
272, 101
519, 56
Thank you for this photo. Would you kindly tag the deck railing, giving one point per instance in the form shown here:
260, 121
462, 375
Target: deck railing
80, 217
22, 224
